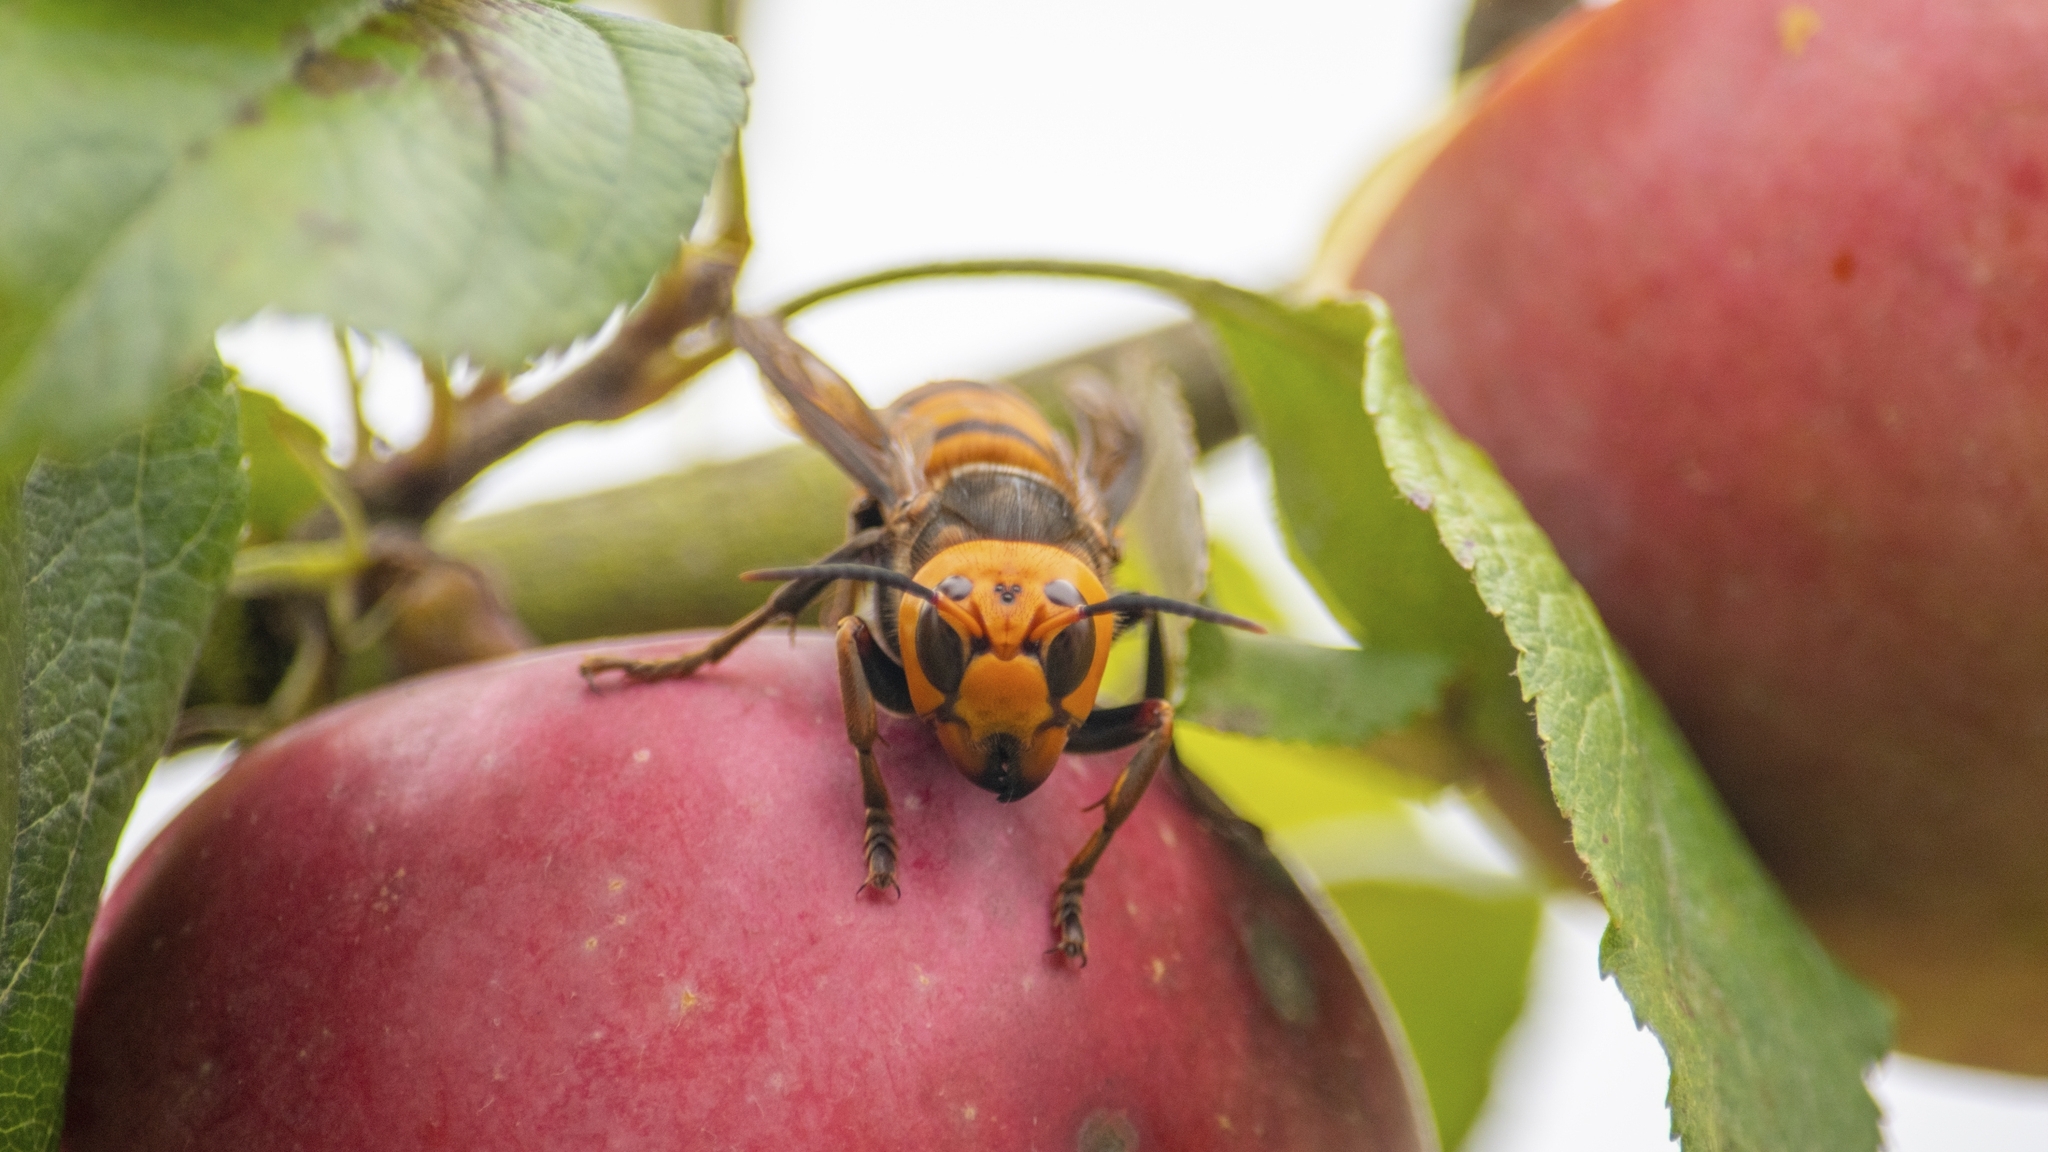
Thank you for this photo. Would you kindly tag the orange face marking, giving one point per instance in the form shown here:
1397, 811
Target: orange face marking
995, 609
999, 695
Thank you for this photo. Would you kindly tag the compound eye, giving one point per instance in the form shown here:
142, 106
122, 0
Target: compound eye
955, 587
1063, 593
1068, 658
941, 652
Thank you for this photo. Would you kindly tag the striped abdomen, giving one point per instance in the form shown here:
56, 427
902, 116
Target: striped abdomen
970, 423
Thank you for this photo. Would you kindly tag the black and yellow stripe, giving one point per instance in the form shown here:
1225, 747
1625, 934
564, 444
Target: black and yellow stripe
971, 423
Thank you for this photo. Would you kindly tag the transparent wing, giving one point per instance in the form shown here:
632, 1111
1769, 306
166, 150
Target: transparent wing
1112, 442
825, 406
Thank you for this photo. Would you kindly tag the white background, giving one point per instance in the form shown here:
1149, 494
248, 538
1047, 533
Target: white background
1209, 138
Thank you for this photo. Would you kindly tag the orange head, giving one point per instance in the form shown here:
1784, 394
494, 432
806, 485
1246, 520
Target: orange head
1004, 660
1003, 649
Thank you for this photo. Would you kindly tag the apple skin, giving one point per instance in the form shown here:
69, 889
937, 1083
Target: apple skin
1749, 301
490, 909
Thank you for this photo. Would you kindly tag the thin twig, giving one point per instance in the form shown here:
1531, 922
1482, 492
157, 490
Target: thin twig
638, 367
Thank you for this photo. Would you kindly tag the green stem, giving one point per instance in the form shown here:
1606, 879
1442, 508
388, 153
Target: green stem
354, 375
294, 566
729, 205
1083, 269
1183, 348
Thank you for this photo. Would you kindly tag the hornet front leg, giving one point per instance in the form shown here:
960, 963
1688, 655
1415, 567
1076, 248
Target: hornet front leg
858, 657
1149, 724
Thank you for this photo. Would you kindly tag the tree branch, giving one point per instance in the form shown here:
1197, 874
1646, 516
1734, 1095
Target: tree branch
641, 365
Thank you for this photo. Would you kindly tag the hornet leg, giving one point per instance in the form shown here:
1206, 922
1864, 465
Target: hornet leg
788, 600
1150, 725
878, 845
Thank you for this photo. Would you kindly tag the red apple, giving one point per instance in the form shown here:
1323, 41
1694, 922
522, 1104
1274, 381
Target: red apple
1749, 300
492, 910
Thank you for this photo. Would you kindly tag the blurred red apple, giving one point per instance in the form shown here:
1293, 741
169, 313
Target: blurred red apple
492, 910
1749, 299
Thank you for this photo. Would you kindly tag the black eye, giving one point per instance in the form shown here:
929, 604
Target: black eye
940, 651
1067, 658
1063, 593
955, 587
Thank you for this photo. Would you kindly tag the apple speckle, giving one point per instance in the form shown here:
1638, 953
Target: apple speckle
1797, 24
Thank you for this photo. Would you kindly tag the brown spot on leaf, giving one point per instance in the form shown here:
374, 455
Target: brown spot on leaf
328, 74
329, 230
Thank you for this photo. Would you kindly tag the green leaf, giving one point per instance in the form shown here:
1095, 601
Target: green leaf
282, 487
1282, 786
120, 560
477, 176
1236, 589
1288, 690
1455, 962
1374, 560
1768, 1039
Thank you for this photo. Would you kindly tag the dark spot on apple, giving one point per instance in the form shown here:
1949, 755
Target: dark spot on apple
1845, 266
1281, 972
1105, 1131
